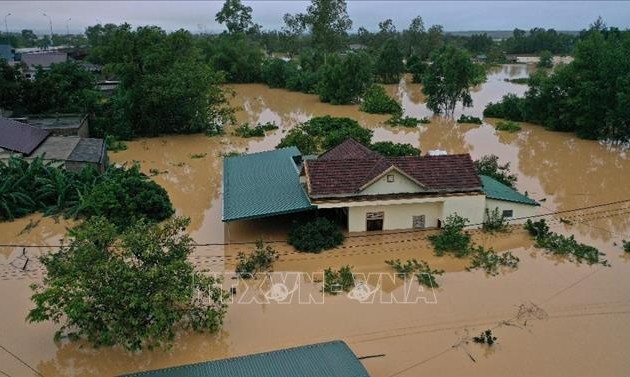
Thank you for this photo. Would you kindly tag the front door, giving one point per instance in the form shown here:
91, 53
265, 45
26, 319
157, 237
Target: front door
374, 220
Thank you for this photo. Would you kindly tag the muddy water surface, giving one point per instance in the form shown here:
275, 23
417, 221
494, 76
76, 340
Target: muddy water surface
582, 326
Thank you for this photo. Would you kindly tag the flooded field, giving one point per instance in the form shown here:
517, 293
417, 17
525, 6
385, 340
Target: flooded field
551, 317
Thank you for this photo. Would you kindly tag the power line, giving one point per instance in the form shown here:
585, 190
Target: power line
21, 361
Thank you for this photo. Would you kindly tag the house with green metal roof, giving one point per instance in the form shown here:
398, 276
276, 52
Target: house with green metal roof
330, 359
367, 191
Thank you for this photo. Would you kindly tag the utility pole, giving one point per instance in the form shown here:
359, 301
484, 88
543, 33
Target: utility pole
51, 29
6, 26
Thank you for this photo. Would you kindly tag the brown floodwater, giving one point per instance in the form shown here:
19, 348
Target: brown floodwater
575, 319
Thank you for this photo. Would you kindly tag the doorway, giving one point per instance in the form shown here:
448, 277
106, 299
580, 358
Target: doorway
374, 221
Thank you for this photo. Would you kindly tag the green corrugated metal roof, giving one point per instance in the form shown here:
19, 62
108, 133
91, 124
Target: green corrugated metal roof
497, 190
331, 359
262, 184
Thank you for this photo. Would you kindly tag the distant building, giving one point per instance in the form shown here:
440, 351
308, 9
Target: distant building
370, 192
356, 47
70, 152
7, 52
330, 359
43, 60
61, 125
107, 87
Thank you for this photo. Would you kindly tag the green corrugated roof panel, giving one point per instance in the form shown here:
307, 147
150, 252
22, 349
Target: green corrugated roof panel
262, 184
331, 359
497, 190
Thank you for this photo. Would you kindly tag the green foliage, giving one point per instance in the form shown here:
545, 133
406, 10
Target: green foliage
259, 260
485, 337
327, 22
115, 145
563, 246
377, 101
343, 80
407, 122
519, 80
315, 236
494, 221
196, 156
122, 195
416, 67
489, 165
245, 130
337, 281
448, 80
469, 119
537, 40
236, 16
136, 289
389, 65
510, 107
236, 56
490, 261
390, 149
626, 246
423, 272
508, 125
323, 133
452, 239
546, 60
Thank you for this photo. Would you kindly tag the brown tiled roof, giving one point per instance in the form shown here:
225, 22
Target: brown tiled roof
20, 137
346, 176
349, 150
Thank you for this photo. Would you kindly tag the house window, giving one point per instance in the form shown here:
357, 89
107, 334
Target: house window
374, 220
390, 178
418, 222
508, 213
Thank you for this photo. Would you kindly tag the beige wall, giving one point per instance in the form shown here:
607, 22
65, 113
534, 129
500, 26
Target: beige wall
520, 210
398, 213
401, 184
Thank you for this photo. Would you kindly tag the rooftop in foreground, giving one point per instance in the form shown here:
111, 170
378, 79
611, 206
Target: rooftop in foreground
497, 190
262, 184
331, 359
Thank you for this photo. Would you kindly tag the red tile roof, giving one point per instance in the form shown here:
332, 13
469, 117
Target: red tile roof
20, 137
344, 170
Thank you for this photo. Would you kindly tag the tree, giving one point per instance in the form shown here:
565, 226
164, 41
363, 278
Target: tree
377, 101
479, 43
327, 21
387, 148
236, 17
236, 55
489, 165
134, 289
11, 86
546, 60
449, 78
343, 80
389, 65
413, 36
323, 133
416, 67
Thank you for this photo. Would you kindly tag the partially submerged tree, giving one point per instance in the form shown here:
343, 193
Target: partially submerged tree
327, 21
134, 289
448, 80
489, 165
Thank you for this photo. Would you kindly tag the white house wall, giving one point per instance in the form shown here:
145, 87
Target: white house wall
519, 210
401, 184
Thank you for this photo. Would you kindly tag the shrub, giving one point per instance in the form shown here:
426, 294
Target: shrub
510, 107
408, 122
626, 246
259, 260
546, 60
537, 229
404, 269
452, 239
114, 145
469, 119
245, 130
485, 337
424, 273
508, 125
387, 148
494, 221
377, 101
338, 281
490, 261
316, 235
489, 165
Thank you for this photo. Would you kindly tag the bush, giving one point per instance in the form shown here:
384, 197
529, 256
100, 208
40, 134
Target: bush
494, 221
387, 148
408, 122
546, 60
537, 229
485, 337
489, 165
452, 239
508, 125
245, 130
259, 260
377, 101
338, 281
114, 145
626, 246
322, 133
510, 107
490, 261
423, 272
316, 235
469, 119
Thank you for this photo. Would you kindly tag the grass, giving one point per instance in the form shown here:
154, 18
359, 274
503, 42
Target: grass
508, 125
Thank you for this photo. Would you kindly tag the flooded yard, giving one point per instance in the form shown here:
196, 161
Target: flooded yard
551, 317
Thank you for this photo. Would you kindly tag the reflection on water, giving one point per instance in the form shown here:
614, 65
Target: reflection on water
558, 169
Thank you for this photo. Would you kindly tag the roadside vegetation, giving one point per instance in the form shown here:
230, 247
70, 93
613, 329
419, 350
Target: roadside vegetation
563, 246
494, 222
123, 195
260, 260
337, 281
315, 235
421, 270
130, 280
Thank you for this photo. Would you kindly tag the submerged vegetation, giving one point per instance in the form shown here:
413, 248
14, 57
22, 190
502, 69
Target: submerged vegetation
406, 121
626, 246
423, 272
316, 235
452, 238
469, 119
123, 195
489, 165
377, 101
130, 280
260, 260
490, 261
246, 131
494, 221
508, 125
563, 246
337, 281
485, 337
